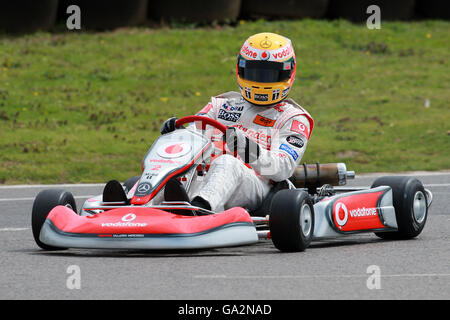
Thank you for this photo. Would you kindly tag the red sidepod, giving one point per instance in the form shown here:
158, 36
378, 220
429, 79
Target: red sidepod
357, 212
141, 220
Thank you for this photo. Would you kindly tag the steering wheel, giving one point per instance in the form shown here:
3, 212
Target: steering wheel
204, 120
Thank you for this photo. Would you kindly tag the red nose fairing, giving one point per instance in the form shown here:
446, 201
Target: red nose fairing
147, 228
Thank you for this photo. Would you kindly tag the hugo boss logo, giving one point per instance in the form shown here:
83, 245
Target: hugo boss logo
229, 116
261, 97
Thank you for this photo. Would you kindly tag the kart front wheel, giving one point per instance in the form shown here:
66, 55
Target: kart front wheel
291, 220
410, 204
44, 202
130, 182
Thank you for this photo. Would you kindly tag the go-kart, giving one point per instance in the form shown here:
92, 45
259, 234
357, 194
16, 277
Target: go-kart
312, 204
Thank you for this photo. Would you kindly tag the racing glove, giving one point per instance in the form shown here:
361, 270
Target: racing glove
236, 141
168, 125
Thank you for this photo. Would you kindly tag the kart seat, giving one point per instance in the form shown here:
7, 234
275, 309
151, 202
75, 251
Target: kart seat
114, 192
264, 208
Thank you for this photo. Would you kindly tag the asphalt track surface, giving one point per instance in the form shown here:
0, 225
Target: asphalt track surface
333, 269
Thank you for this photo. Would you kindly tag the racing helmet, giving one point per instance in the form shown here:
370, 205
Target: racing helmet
265, 68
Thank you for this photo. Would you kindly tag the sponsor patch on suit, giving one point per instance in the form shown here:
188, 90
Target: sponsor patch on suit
263, 121
229, 116
295, 141
289, 150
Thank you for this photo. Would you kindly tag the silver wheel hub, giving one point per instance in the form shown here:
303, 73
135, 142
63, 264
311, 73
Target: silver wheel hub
419, 206
306, 220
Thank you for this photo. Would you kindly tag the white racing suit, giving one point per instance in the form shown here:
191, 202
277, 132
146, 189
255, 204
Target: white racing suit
282, 132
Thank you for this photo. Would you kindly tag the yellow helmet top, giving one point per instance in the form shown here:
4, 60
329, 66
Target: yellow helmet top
266, 68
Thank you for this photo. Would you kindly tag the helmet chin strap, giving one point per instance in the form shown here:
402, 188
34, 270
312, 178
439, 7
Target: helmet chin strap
266, 105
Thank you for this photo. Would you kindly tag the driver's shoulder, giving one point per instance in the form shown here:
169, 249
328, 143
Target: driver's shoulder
229, 97
293, 106
292, 111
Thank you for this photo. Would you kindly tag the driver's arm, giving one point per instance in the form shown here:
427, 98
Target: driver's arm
286, 151
169, 124
207, 111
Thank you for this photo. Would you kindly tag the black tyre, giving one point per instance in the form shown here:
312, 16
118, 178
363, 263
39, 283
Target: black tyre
284, 8
410, 203
44, 202
26, 16
106, 14
433, 9
356, 10
291, 220
194, 11
130, 182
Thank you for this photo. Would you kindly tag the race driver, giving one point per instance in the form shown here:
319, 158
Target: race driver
268, 131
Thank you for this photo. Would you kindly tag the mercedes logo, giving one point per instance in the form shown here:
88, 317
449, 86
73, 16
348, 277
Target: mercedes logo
265, 43
143, 188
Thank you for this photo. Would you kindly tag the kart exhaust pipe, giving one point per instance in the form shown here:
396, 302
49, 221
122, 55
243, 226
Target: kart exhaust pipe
312, 176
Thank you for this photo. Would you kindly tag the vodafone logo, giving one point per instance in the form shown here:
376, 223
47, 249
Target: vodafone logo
126, 222
340, 214
265, 55
246, 51
357, 212
129, 217
299, 127
283, 53
174, 150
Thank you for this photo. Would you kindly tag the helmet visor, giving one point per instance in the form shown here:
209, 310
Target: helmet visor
264, 71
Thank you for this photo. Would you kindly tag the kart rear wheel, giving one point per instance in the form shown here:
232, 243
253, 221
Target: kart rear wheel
410, 203
291, 220
44, 202
130, 182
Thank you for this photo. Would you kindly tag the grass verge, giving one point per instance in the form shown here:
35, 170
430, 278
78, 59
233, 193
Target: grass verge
85, 107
